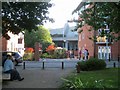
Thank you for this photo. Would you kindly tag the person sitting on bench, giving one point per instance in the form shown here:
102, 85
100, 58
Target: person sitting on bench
9, 68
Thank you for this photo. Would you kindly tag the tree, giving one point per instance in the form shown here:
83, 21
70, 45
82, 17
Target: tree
41, 35
100, 14
18, 16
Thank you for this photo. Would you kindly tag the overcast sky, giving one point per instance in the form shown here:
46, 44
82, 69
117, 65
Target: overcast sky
61, 12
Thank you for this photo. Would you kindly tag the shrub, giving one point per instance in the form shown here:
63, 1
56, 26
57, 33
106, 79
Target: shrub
95, 64
59, 53
46, 55
50, 48
92, 64
82, 65
28, 56
29, 50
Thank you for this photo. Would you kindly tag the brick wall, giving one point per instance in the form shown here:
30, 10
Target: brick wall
84, 41
115, 49
3, 44
89, 44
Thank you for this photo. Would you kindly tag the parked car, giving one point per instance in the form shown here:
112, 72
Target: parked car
17, 58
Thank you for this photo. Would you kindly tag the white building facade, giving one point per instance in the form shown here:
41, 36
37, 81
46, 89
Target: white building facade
65, 37
16, 43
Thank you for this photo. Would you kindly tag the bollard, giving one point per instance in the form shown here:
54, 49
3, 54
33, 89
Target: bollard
62, 65
118, 58
43, 65
78, 68
114, 65
23, 65
109, 57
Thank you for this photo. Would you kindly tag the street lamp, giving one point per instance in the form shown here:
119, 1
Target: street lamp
106, 47
64, 43
107, 32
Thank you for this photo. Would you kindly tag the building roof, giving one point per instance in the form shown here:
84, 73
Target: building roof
67, 32
56, 31
79, 6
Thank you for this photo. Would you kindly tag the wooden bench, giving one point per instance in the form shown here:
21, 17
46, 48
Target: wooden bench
5, 76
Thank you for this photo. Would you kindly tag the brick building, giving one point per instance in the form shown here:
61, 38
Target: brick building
99, 48
103, 48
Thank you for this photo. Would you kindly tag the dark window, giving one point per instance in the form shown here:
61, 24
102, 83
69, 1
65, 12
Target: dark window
19, 41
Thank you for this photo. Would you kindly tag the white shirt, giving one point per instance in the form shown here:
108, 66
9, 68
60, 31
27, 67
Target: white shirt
85, 52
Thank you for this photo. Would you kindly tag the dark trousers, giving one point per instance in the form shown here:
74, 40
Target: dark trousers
14, 74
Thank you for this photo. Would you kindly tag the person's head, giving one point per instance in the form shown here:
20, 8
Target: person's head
9, 57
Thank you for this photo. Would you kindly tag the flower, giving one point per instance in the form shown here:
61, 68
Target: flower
29, 50
50, 48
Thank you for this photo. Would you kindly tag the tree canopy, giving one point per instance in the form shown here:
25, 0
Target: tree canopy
42, 35
100, 14
19, 16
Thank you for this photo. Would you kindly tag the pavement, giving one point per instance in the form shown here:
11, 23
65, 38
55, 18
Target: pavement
36, 77
39, 78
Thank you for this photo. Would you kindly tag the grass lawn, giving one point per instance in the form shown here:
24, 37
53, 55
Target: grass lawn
107, 77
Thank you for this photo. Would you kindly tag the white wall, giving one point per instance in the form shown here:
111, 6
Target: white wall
12, 44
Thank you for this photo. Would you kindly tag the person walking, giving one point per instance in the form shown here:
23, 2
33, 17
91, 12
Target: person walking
9, 68
85, 54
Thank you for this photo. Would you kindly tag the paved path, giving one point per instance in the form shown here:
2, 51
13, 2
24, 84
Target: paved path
35, 77
38, 78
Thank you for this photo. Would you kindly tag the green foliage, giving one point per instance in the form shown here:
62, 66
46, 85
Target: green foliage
56, 54
41, 35
18, 16
77, 83
45, 55
28, 56
60, 53
82, 65
95, 64
100, 79
92, 64
100, 14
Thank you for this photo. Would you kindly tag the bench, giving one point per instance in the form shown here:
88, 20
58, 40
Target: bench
5, 76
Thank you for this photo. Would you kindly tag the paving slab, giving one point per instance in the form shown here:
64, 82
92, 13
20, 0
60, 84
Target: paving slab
38, 78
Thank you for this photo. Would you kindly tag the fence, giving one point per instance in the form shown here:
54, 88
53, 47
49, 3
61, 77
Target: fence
61, 64
49, 64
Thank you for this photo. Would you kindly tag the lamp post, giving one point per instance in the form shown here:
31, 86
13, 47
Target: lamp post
107, 32
106, 47
64, 43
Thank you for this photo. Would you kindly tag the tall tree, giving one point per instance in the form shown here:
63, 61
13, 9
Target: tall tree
18, 16
100, 14
41, 35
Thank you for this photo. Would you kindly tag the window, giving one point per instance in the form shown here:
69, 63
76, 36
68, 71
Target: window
19, 40
99, 31
104, 52
105, 31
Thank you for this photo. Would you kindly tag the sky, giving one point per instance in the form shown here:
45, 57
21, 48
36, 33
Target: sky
61, 12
